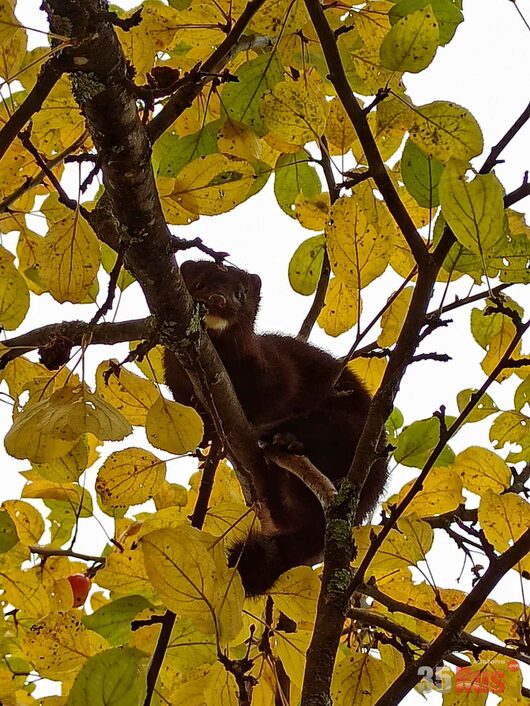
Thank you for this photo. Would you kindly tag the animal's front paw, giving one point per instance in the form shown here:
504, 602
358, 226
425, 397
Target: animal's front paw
288, 441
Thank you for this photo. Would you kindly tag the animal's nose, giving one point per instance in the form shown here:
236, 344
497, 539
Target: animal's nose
217, 300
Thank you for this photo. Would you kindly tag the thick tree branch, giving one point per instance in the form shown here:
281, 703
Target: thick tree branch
337, 584
75, 332
104, 92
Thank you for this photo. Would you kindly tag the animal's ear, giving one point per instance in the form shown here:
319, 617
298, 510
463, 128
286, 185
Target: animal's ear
255, 284
187, 269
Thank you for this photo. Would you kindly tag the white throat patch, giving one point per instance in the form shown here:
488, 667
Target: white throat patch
217, 323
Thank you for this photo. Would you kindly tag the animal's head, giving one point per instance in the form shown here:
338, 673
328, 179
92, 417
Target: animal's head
230, 295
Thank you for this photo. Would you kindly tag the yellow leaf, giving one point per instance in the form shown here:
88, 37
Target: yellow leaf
130, 394
313, 213
129, 477
60, 644
20, 372
238, 140
339, 129
394, 317
291, 648
155, 33
48, 429
14, 294
441, 493
473, 210
295, 593
221, 687
279, 17
152, 364
234, 521
173, 427
296, 111
388, 140
27, 247
170, 495
76, 497
226, 488
213, 184
190, 690
412, 42
12, 53
342, 307
124, 571
358, 679
482, 470
24, 590
174, 213
503, 518
497, 346
512, 427
68, 258
444, 131
503, 620
358, 252
28, 521
183, 573
403, 547
370, 371
8, 22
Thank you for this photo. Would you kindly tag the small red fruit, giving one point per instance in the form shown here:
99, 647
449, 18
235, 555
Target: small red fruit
80, 584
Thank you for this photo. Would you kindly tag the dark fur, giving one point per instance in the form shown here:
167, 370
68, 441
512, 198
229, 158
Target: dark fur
286, 388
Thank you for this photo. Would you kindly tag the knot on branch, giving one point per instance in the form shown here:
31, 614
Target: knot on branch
56, 352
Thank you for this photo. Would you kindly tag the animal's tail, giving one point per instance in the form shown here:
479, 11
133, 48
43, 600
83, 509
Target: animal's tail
260, 559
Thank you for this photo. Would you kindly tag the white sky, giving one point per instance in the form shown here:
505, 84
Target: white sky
485, 68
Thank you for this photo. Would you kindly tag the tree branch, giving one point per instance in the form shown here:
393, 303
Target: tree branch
185, 95
50, 73
359, 121
493, 158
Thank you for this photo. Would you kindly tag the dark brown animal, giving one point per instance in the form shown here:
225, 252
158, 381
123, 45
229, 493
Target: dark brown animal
288, 390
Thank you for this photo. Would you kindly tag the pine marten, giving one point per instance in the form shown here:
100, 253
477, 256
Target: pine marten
288, 389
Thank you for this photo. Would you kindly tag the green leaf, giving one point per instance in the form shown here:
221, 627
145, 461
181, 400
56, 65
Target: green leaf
306, 264
447, 14
294, 176
415, 443
483, 408
241, 100
113, 620
176, 152
115, 677
473, 210
522, 394
485, 327
8, 532
421, 175
411, 43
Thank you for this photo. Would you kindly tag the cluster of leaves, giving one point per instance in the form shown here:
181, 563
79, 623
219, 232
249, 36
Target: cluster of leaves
273, 108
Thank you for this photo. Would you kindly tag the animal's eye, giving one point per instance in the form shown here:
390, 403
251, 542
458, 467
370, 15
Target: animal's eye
197, 285
239, 294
